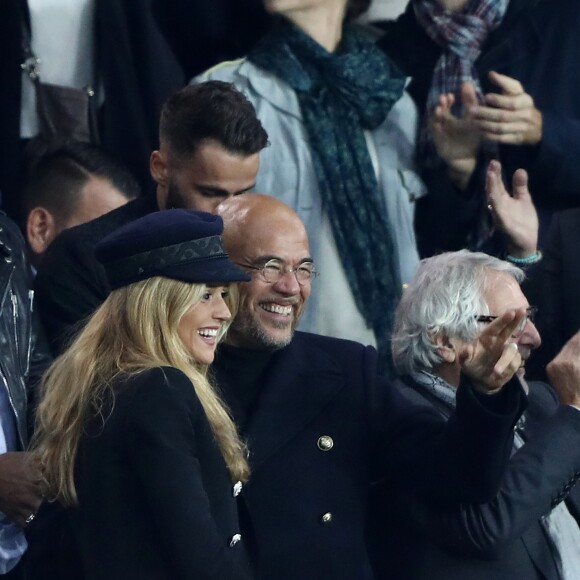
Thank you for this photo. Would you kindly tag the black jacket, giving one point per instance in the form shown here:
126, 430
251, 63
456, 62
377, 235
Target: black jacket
155, 498
503, 539
324, 426
24, 353
70, 283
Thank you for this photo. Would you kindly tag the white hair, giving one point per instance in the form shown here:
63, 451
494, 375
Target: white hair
445, 297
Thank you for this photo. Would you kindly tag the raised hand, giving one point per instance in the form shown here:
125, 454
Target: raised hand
515, 215
492, 360
510, 116
456, 139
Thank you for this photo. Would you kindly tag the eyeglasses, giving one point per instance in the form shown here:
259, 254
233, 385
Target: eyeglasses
529, 316
273, 270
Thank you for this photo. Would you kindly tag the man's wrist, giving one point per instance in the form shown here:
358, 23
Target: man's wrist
484, 389
524, 257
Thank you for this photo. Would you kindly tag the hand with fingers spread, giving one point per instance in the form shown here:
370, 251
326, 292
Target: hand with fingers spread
21, 486
515, 215
492, 360
509, 117
456, 139
564, 372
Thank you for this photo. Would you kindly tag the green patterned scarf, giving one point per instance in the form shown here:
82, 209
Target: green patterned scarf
341, 94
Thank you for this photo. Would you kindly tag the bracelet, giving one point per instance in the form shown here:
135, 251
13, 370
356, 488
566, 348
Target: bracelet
533, 259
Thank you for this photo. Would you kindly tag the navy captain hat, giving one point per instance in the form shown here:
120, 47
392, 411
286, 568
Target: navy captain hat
174, 243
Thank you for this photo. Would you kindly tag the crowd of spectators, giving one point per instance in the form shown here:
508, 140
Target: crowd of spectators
418, 169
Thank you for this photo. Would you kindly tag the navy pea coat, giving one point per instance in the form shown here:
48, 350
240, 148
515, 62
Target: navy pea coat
324, 426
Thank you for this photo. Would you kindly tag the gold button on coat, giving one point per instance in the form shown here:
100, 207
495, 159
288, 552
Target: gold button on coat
326, 518
325, 443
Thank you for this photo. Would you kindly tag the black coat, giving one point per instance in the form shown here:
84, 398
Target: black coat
554, 287
502, 539
537, 43
70, 283
155, 497
307, 495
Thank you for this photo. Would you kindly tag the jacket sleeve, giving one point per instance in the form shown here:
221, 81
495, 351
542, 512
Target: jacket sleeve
462, 459
162, 423
539, 476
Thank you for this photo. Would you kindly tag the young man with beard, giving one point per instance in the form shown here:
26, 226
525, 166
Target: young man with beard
321, 424
210, 141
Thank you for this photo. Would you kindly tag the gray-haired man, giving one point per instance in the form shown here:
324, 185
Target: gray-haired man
525, 532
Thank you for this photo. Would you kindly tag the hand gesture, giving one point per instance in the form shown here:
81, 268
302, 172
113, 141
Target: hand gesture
456, 139
21, 486
564, 372
514, 215
492, 360
509, 117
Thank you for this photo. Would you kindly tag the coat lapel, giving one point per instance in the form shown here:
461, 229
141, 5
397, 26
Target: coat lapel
302, 380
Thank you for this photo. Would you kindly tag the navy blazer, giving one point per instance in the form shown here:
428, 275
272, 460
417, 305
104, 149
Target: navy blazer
502, 539
155, 498
324, 426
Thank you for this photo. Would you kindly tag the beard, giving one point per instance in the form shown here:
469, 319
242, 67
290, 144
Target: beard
247, 332
175, 198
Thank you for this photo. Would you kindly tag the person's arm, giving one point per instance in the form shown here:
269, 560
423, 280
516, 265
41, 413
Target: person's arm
463, 459
162, 423
540, 475
21, 486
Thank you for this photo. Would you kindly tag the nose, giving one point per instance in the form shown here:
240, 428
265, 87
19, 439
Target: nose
221, 311
530, 336
287, 284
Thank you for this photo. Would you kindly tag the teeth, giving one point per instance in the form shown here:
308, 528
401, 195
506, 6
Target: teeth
285, 310
208, 333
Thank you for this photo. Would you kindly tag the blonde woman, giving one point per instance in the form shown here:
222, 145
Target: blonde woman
134, 440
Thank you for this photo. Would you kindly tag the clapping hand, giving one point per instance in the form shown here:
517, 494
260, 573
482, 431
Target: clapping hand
456, 139
509, 117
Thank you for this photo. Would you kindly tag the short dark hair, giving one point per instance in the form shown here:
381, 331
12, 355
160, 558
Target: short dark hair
56, 177
213, 110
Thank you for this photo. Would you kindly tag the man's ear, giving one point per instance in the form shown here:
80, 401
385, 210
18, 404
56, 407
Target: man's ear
158, 168
445, 348
40, 229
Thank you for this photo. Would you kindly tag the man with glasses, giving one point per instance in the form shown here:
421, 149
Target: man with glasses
321, 424
527, 531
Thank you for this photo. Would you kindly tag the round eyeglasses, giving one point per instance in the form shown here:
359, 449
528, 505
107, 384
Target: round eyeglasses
529, 316
273, 270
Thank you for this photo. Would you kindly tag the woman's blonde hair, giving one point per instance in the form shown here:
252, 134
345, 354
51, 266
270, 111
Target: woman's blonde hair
134, 329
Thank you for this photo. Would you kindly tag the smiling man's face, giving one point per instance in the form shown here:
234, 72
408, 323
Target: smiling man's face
269, 311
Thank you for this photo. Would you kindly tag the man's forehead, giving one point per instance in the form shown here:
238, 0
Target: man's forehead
503, 293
